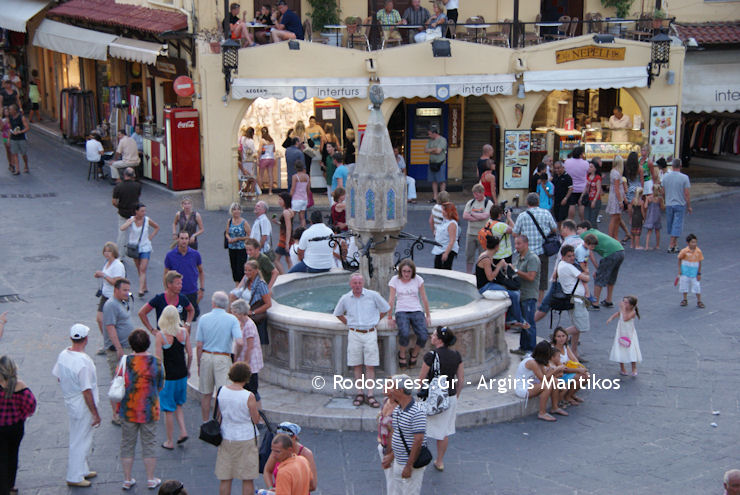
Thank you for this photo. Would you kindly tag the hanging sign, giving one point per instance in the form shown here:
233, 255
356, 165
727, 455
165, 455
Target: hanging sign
591, 51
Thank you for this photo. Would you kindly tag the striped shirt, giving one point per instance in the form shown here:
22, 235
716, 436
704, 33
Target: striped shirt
416, 17
525, 225
412, 420
437, 215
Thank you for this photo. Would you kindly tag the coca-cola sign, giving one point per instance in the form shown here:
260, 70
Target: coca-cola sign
188, 124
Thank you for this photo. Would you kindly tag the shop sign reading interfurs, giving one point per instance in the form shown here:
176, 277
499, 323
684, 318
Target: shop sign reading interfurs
592, 51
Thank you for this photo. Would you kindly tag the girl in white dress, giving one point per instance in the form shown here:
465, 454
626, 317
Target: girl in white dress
626, 346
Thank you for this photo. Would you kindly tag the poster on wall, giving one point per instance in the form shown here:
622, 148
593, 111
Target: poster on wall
662, 137
516, 159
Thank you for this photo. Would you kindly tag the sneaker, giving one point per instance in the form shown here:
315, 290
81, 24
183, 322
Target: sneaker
607, 304
595, 307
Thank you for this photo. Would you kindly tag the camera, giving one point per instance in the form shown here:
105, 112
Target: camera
99, 293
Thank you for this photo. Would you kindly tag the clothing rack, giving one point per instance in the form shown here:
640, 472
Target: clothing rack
711, 134
77, 113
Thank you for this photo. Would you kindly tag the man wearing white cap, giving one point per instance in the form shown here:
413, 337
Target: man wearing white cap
75, 371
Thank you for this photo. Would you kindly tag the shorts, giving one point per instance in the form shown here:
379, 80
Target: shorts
174, 393
472, 248
685, 283
145, 256
266, 162
253, 385
579, 316
18, 147
362, 348
281, 251
544, 270
213, 372
647, 187
405, 321
129, 432
438, 176
299, 204
237, 460
673, 218
606, 273
34, 105
101, 303
560, 212
574, 198
567, 377
113, 359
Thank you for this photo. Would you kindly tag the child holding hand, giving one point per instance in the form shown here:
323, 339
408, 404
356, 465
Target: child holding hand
626, 346
652, 207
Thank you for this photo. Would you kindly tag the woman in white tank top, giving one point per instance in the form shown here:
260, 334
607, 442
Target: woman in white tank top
535, 379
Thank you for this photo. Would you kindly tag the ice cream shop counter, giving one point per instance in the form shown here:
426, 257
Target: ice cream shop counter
172, 156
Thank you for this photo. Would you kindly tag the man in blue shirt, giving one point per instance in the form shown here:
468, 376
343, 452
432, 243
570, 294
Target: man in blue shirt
340, 174
186, 261
217, 333
289, 27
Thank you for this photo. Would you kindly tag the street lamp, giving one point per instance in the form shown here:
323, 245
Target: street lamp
229, 60
660, 49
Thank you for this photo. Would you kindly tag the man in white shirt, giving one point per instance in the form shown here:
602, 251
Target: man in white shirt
75, 371
262, 229
617, 122
571, 278
127, 154
316, 255
361, 309
94, 152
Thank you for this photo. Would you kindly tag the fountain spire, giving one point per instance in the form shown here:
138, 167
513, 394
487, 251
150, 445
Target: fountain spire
376, 203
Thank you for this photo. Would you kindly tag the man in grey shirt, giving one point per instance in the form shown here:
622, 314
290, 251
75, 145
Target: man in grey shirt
677, 201
118, 326
415, 15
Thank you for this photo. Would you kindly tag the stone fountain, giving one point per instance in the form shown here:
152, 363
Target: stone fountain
307, 342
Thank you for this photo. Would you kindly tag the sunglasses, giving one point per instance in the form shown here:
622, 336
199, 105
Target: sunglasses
286, 431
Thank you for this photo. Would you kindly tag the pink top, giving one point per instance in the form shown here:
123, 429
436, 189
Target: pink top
407, 293
300, 190
577, 168
254, 360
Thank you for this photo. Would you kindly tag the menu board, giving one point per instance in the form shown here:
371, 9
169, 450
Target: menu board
516, 159
662, 135
607, 151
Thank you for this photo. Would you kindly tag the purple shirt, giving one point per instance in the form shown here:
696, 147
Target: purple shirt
577, 168
187, 266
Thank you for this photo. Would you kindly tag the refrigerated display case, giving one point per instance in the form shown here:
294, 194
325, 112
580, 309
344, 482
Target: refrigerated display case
172, 157
565, 142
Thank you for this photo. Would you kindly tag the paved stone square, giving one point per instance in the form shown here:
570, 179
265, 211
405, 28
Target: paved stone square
651, 436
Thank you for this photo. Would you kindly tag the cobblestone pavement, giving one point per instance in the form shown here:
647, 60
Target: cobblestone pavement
654, 435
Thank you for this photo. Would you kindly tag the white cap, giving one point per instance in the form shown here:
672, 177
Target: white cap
78, 331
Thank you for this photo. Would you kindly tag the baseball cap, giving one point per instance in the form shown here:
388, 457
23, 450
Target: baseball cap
282, 2
291, 428
78, 331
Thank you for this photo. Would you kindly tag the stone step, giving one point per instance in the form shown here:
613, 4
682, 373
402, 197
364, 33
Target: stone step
477, 406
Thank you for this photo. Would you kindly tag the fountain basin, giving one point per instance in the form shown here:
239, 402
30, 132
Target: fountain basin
306, 344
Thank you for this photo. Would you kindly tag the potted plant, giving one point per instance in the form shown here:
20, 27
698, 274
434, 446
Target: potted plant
323, 13
622, 7
658, 18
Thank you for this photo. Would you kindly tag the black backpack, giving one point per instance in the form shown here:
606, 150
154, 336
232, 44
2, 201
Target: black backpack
266, 445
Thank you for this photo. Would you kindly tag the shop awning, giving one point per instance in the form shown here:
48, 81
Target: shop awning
618, 77
300, 89
14, 14
711, 87
446, 86
72, 40
112, 13
137, 50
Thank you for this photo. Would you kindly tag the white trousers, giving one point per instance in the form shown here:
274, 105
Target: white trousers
114, 166
387, 472
411, 183
80, 441
406, 486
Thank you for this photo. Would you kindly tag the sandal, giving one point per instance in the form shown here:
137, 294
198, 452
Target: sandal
560, 412
546, 417
684, 303
128, 484
359, 400
153, 483
412, 359
402, 361
700, 305
372, 402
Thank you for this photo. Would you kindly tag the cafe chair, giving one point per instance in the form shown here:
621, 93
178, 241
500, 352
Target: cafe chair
563, 28
573, 27
501, 36
532, 37
597, 23
308, 33
643, 28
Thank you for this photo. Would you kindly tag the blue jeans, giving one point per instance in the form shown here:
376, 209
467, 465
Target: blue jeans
528, 336
515, 311
407, 320
545, 304
301, 267
674, 220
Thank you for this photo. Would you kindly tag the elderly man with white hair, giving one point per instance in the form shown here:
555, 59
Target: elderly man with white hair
262, 229
76, 373
215, 338
361, 309
732, 482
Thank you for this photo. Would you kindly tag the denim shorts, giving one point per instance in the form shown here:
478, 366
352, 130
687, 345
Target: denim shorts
145, 256
674, 220
438, 176
405, 320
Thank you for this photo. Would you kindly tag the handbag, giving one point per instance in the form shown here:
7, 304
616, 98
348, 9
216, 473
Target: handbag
425, 455
210, 431
118, 385
560, 301
132, 250
551, 242
438, 399
508, 278
259, 317
266, 446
